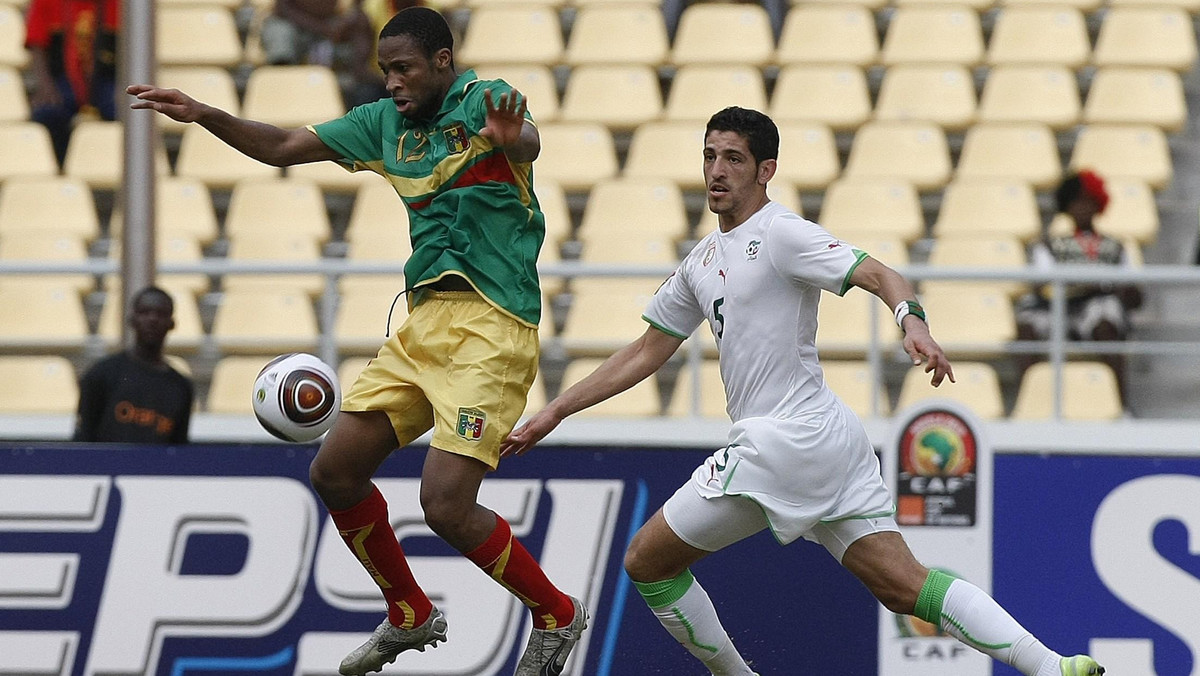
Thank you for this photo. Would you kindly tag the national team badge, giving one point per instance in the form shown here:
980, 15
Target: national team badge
709, 254
752, 249
457, 139
470, 423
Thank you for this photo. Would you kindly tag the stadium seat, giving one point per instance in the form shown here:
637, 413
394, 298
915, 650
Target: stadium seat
1081, 5
891, 251
1190, 6
1039, 35
629, 221
292, 96
1089, 392
534, 81
188, 334
553, 201
699, 90
976, 386
232, 385
618, 33
1046, 95
489, 37
1024, 152
213, 85
606, 314
183, 208
281, 206
332, 178
14, 104
577, 155
711, 392
845, 325
834, 95
853, 383
1132, 212
41, 204
197, 35
862, 208
12, 37
361, 323
808, 156
618, 96
667, 150
916, 152
38, 384
349, 371
978, 251
1006, 207
933, 34
34, 246
38, 317
168, 248
941, 94
980, 6
262, 321
971, 322
718, 33
377, 209
1135, 151
27, 150
828, 34
640, 401
1122, 95
209, 160
1152, 37
96, 153
269, 247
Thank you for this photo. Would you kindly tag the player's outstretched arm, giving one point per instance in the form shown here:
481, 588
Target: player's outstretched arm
629, 366
264, 142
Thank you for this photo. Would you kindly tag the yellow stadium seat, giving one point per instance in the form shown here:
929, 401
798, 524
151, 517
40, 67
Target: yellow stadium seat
1153, 37
1122, 95
980, 6
1039, 35
1081, 5
916, 152
667, 150
1132, 211
292, 96
14, 104
618, 96
970, 321
723, 34
711, 392
699, 90
38, 384
1089, 392
489, 37
535, 82
12, 37
618, 33
27, 150
169, 248
39, 317
1190, 6
891, 251
872, 208
854, 384
845, 325
577, 155
633, 222
281, 206
978, 251
834, 95
96, 151
209, 160
183, 208
975, 386
941, 94
640, 401
1047, 95
361, 323
989, 207
808, 156
188, 334
263, 321
829, 34
213, 85
1132, 151
1026, 152
40, 204
197, 35
349, 371
35, 246
231, 388
377, 209
273, 247
933, 34
332, 178
606, 314
553, 201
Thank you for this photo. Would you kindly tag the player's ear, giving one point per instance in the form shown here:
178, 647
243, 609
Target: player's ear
766, 171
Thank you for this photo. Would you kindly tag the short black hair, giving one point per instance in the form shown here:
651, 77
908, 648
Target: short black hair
425, 26
760, 132
154, 291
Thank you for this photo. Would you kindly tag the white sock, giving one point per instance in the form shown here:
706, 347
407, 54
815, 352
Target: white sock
974, 618
686, 612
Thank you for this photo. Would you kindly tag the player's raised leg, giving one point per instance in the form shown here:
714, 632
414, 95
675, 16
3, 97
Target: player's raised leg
884, 563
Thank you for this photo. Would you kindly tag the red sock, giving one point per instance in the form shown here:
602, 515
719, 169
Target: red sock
508, 562
368, 533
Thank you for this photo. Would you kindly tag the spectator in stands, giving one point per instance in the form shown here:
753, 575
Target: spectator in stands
135, 396
1094, 311
73, 57
319, 32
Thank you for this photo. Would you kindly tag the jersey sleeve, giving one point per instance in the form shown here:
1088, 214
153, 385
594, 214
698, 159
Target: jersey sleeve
357, 136
803, 250
674, 309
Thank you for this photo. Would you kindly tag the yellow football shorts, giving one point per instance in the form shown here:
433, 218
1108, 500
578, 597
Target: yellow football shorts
458, 365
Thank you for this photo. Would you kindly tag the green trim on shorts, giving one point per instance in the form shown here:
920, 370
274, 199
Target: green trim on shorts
876, 515
665, 592
933, 594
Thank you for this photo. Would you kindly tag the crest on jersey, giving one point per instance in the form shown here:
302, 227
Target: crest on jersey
752, 249
457, 139
709, 253
470, 423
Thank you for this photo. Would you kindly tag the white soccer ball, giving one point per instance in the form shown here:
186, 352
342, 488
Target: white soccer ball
296, 397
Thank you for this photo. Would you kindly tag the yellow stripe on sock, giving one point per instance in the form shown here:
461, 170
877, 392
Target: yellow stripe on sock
410, 617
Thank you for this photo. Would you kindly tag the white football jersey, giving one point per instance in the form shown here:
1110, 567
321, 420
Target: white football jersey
758, 286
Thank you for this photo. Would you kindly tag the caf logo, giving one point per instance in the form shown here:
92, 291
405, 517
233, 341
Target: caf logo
938, 443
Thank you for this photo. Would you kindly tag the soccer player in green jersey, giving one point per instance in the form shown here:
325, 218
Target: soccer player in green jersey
459, 152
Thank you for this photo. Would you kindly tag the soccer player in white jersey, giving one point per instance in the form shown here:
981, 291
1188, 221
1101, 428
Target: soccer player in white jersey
798, 460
